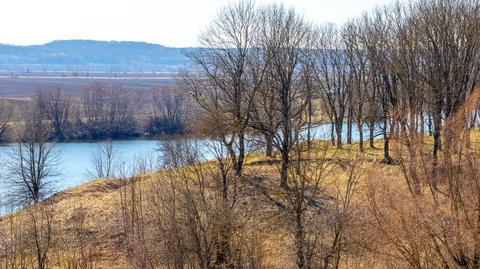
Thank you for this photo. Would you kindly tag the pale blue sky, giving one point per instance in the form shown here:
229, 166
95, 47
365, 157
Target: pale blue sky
171, 23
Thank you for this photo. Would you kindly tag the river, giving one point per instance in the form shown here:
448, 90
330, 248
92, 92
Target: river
75, 165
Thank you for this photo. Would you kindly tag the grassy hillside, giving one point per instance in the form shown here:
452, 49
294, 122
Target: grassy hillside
258, 197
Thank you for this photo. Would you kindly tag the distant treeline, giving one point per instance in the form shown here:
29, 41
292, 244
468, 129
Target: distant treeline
99, 111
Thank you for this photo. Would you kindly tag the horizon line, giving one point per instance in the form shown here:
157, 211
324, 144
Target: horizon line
94, 40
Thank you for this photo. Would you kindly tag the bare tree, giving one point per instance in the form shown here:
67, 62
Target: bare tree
385, 93
104, 161
431, 225
170, 111
265, 116
359, 67
55, 104
451, 73
108, 110
208, 195
304, 194
41, 232
333, 76
6, 114
227, 80
32, 164
32, 167
284, 36
186, 210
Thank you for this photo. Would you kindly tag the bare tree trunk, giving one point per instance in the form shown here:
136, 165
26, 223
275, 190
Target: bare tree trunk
268, 145
386, 137
299, 238
437, 143
332, 132
338, 129
349, 125
223, 259
422, 122
284, 170
371, 139
360, 137
241, 153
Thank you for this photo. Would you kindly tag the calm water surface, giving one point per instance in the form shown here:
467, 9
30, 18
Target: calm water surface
75, 159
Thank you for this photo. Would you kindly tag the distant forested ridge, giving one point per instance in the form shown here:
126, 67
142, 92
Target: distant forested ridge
90, 55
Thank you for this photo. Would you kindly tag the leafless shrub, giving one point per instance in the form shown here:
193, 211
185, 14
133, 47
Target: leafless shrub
104, 161
6, 115
75, 245
319, 212
32, 163
54, 105
14, 251
431, 223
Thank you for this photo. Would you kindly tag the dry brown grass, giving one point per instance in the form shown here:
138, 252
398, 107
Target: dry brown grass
101, 201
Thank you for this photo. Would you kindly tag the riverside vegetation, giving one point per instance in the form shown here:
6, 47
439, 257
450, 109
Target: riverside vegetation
97, 112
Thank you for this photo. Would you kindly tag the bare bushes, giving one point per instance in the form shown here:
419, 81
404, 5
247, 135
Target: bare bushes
319, 209
432, 221
27, 239
188, 216
170, 112
76, 249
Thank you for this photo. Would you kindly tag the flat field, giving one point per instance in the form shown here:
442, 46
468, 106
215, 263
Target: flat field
24, 86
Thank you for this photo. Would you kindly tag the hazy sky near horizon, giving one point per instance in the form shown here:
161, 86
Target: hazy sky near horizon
174, 23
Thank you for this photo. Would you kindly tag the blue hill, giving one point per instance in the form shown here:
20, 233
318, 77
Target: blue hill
90, 55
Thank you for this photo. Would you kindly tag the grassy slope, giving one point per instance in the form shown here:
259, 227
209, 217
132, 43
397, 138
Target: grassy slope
101, 201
